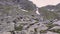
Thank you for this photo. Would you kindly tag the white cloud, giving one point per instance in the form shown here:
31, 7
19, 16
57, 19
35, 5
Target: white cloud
41, 3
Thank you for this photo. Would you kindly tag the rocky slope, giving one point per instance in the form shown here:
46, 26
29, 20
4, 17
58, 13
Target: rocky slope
19, 17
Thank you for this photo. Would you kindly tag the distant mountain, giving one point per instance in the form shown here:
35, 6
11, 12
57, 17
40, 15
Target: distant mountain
58, 5
49, 7
52, 7
50, 12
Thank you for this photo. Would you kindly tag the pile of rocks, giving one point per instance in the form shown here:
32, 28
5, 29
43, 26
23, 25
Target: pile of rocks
19, 17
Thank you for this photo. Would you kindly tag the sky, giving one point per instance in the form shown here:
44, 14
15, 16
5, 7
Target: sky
41, 3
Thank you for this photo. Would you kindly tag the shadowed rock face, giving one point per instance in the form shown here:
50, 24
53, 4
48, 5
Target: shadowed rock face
27, 5
24, 4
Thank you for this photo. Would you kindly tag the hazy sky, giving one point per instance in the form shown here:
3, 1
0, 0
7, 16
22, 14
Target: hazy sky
41, 3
